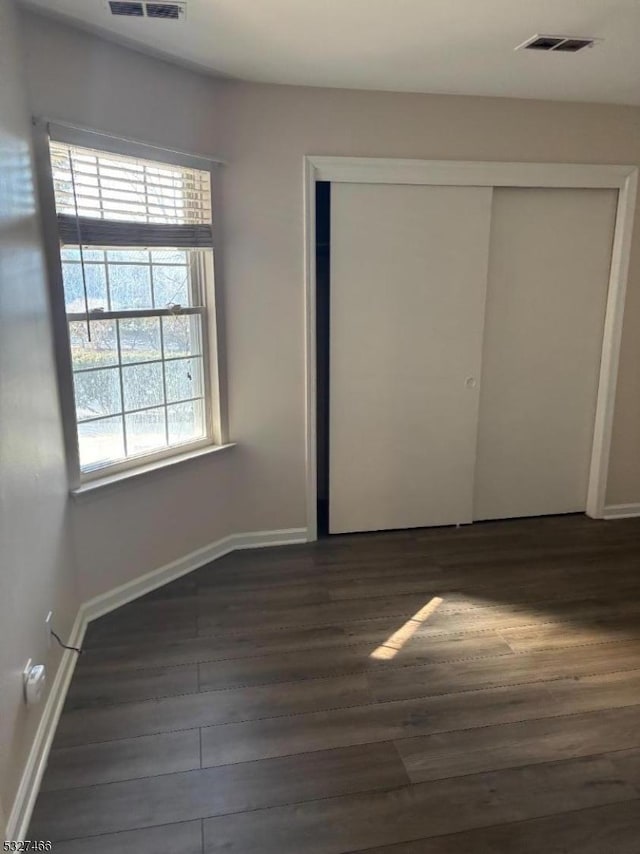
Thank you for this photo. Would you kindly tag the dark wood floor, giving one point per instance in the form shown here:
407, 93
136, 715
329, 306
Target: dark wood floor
471, 691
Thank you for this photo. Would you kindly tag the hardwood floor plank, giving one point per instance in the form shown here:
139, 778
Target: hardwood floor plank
134, 632
458, 614
144, 618
288, 562
237, 645
424, 680
240, 615
371, 601
501, 661
351, 823
611, 829
215, 791
362, 567
234, 705
405, 719
98, 689
455, 615
214, 597
373, 723
526, 550
532, 580
602, 690
209, 708
152, 609
576, 634
125, 759
628, 764
489, 748
346, 659
184, 838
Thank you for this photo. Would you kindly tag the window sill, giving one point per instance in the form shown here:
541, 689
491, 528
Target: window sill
99, 484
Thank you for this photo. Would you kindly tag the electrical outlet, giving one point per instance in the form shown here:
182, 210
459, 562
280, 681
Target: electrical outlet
48, 624
34, 682
25, 676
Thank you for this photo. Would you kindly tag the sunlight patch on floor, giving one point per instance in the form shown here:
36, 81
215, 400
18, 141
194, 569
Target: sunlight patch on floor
395, 642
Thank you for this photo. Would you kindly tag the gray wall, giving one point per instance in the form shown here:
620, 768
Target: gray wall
36, 564
270, 128
134, 528
264, 131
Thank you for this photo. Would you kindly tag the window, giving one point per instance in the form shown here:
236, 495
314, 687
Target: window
137, 271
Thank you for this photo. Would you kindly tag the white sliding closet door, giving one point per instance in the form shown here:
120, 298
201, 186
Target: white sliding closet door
408, 283
548, 279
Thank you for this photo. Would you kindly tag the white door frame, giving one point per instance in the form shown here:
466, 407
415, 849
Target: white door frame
370, 170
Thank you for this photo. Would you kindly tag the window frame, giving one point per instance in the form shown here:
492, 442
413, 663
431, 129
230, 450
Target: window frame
209, 264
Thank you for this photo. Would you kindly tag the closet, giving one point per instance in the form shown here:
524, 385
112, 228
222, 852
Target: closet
465, 340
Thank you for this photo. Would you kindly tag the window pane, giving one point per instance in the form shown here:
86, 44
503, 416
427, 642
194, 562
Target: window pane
140, 339
142, 386
181, 335
169, 256
186, 422
130, 286
146, 431
101, 442
69, 253
101, 351
132, 256
74, 290
183, 379
171, 285
97, 393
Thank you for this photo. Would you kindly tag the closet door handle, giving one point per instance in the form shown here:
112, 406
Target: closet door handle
470, 382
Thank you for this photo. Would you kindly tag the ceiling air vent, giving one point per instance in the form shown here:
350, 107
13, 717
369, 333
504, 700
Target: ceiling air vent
165, 10
170, 11
129, 10
564, 44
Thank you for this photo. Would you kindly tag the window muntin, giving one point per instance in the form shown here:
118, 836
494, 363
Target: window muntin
136, 312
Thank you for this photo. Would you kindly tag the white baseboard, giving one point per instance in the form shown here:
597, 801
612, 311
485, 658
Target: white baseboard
20, 815
262, 539
100, 605
621, 511
124, 593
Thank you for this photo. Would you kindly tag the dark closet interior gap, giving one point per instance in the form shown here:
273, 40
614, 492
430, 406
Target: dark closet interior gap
323, 258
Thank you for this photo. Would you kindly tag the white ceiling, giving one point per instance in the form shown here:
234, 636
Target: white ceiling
450, 46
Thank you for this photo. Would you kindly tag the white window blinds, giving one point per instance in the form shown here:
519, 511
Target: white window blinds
104, 199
